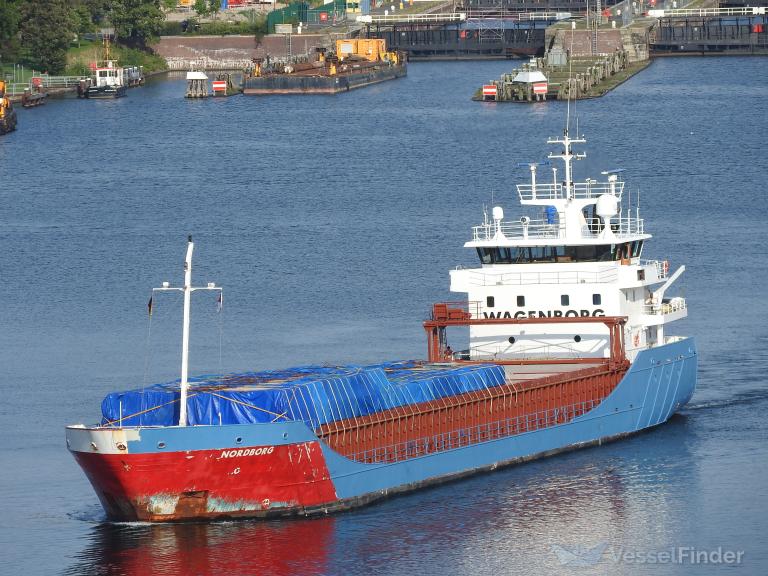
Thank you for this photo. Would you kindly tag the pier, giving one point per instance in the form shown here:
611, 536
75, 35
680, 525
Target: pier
710, 31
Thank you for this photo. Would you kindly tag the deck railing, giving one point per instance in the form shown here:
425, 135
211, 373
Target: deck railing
579, 190
474, 434
667, 307
604, 276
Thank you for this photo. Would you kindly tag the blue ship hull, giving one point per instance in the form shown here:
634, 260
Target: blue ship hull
284, 468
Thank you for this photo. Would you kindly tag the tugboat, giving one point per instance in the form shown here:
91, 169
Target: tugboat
7, 113
566, 348
108, 80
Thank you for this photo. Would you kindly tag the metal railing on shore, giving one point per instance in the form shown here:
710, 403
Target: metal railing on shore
205, 63
683, 12
436, 18
46, 82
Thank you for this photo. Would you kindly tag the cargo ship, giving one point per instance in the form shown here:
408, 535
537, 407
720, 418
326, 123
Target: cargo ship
355, 64
564, 346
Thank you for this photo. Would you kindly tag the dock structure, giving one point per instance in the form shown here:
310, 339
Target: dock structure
581, 77
710, 31
197, 85
473, 34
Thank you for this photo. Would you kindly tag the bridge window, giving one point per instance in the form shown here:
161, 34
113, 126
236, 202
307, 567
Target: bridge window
490, 301
564, 300
521, 301
547, 254
597, 299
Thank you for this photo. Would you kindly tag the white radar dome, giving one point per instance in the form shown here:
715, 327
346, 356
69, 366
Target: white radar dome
607, 206
498, 213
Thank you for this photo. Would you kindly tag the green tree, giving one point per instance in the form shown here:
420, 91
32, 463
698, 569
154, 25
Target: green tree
201, 7
213, 7
81, 19
10, 16
137, 22
46, 32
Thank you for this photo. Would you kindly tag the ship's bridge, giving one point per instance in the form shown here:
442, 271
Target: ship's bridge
577, 221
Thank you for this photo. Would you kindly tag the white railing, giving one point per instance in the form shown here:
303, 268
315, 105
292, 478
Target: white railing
534, 228
520, 16
623, 226
661, 268
579, 190
206, 63
436, 18
666, 307
745, 11
602, 276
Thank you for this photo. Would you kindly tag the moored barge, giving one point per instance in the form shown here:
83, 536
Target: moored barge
566, 349
356, 63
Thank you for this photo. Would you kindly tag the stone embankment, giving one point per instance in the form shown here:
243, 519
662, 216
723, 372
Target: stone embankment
234, 52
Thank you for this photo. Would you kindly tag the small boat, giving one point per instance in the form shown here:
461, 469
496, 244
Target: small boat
34, 96
7, 113
108, 79
107, 82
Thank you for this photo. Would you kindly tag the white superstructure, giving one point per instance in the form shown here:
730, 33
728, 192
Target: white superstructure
580, 255
108, 76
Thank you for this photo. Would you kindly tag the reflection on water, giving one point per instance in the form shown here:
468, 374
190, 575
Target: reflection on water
237, 548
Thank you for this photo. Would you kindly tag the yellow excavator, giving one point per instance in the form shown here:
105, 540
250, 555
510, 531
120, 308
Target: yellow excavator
7, 113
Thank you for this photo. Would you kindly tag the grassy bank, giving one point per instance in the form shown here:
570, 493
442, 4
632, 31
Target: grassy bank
255, 24
80, 57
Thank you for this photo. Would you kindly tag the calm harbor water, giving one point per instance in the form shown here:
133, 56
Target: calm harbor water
332, 222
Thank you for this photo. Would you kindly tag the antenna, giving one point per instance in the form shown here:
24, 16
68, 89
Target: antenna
570, 79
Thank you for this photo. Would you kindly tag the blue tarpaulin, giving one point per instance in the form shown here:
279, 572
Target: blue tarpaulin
315, 395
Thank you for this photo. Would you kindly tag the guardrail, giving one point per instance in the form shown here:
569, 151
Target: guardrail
412, 18
682, 12
533, 229
17, 88
676, 304
579, 190
607, 275
623, 226
661, 266
475, 434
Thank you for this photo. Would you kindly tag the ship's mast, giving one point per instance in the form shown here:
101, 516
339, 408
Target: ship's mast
567, 157
187, 290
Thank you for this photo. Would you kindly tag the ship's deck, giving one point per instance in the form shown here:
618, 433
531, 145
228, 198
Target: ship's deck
534, 372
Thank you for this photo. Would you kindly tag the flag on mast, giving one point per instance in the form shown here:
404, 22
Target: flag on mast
220, 302
149, 306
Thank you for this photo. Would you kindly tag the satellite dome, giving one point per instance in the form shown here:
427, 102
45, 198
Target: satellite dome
607, 206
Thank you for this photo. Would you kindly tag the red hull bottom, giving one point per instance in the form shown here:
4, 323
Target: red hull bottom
247, 482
